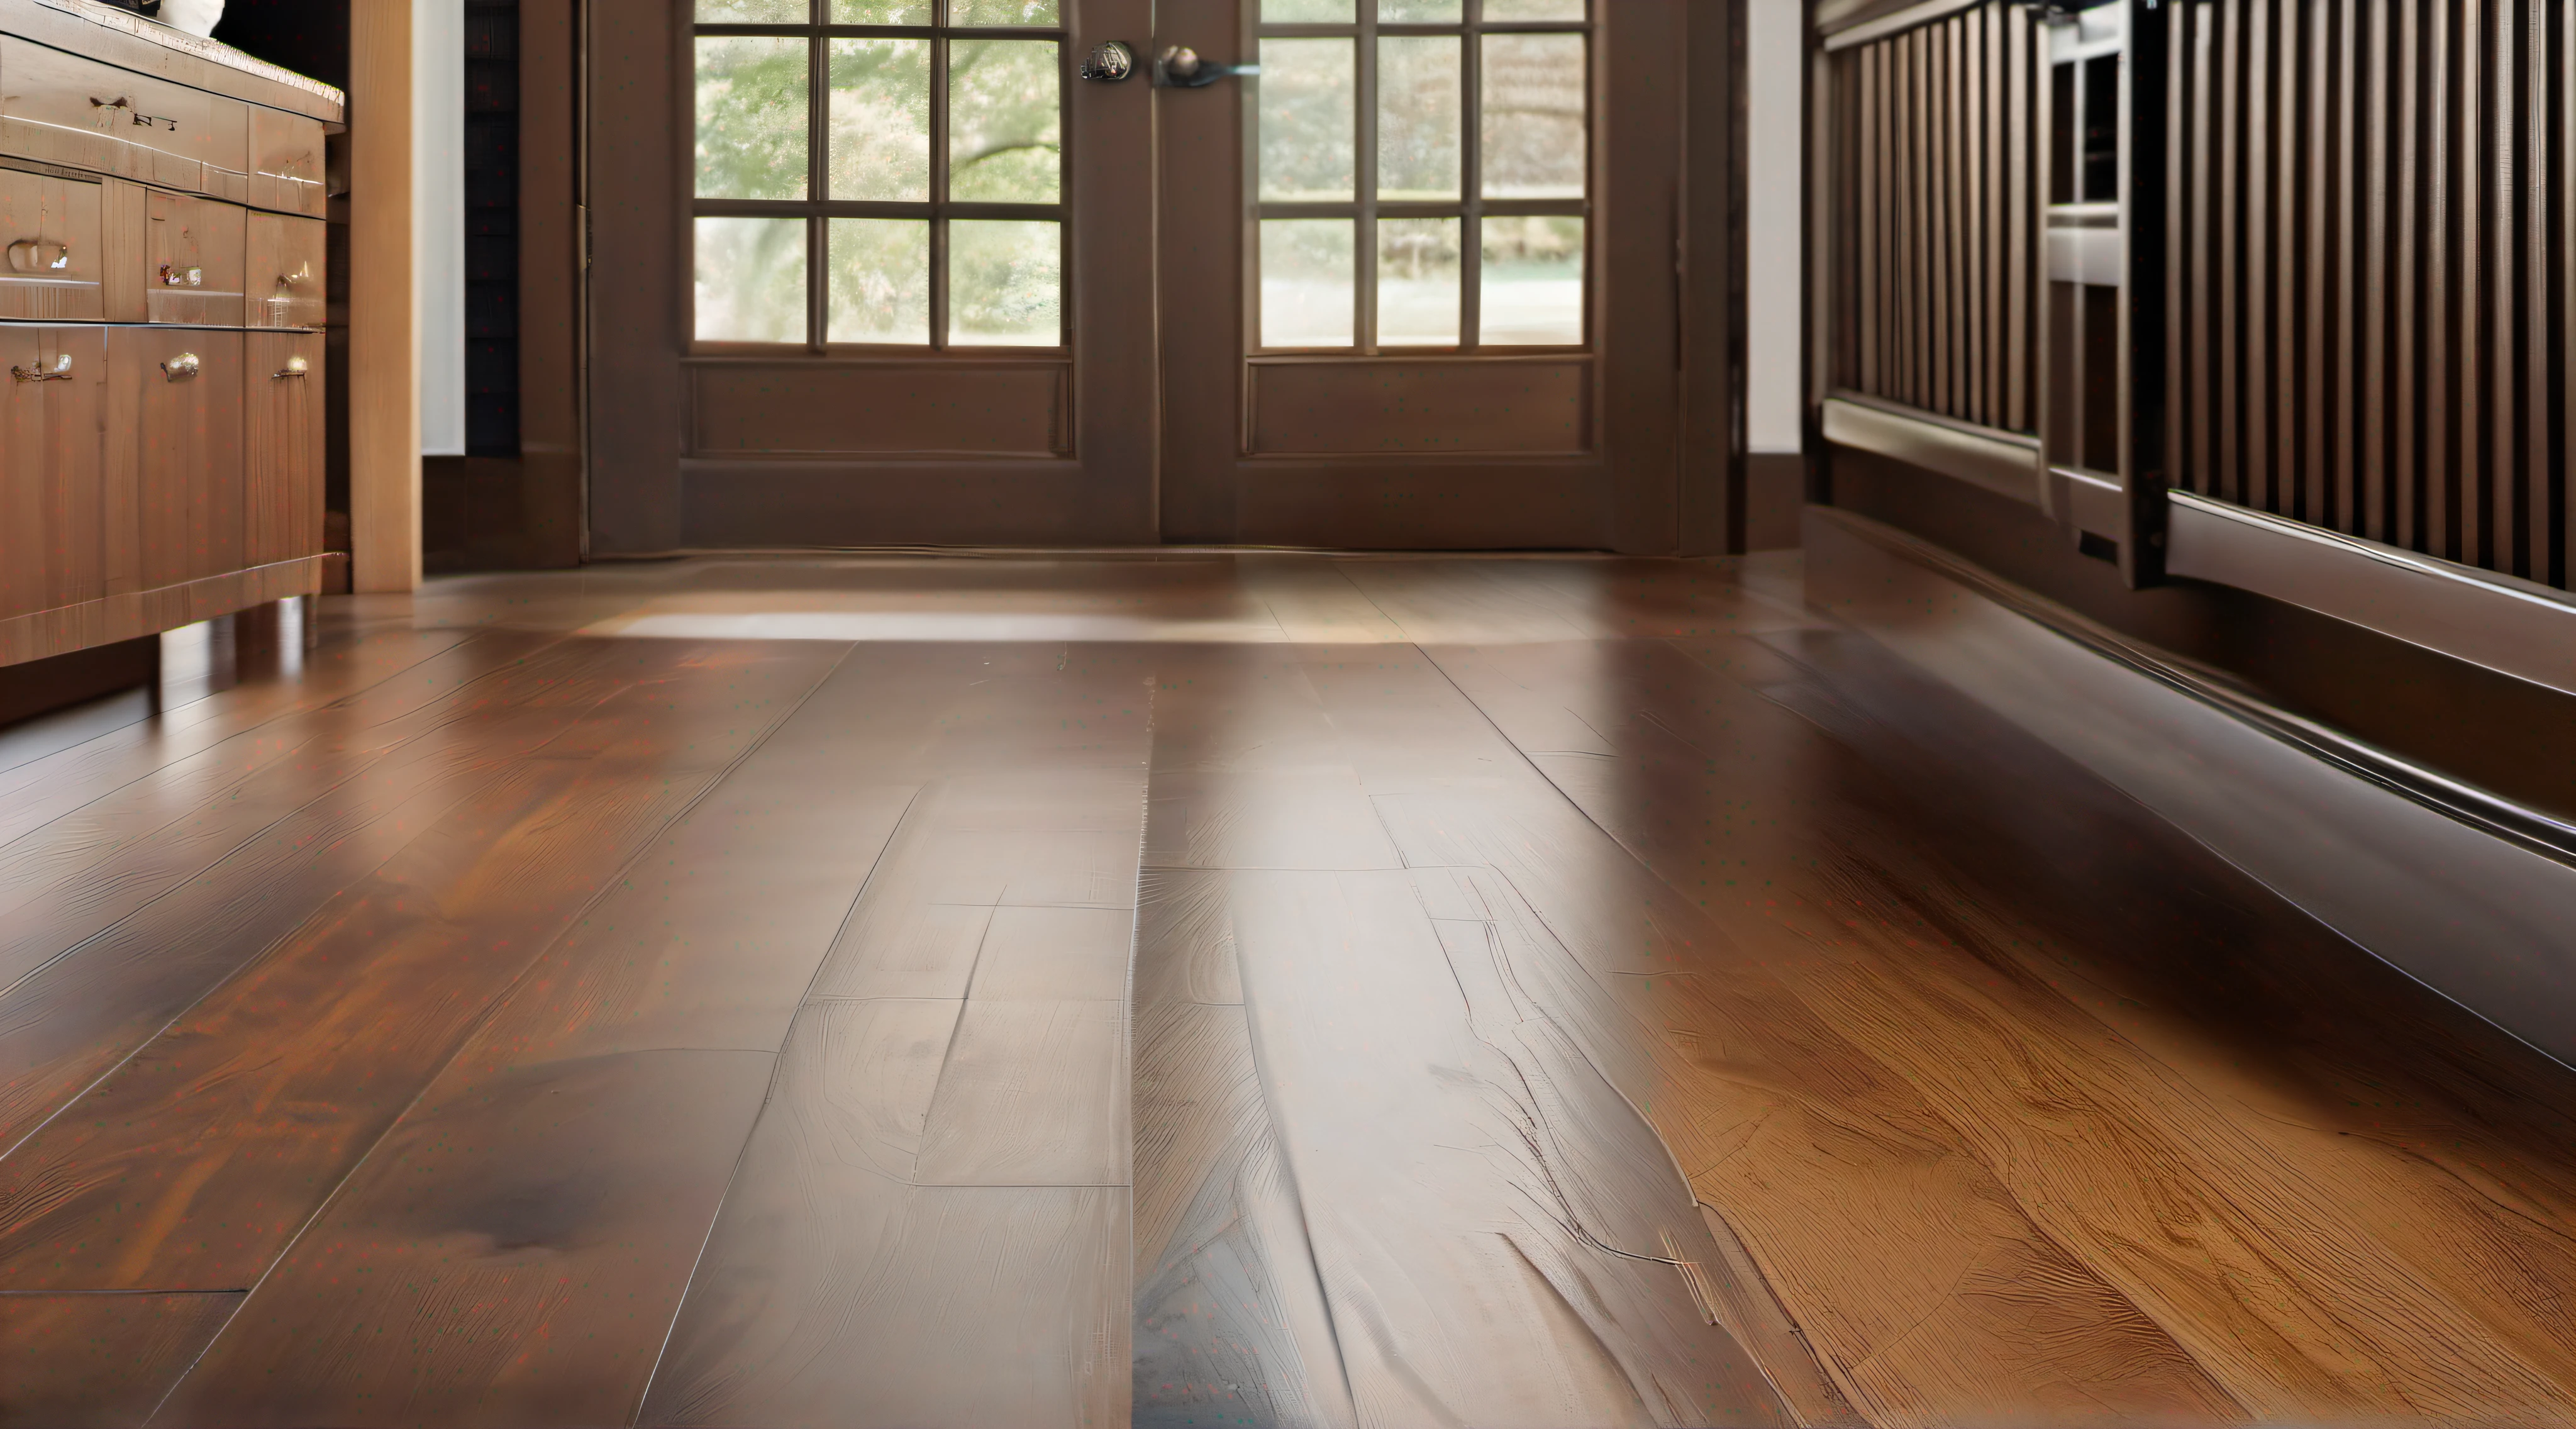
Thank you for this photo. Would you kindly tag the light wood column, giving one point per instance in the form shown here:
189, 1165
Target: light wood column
384, 302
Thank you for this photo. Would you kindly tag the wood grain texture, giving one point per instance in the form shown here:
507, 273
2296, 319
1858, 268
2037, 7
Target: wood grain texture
99, 1361
384, 304
1596, 991
418, 950
948, 1130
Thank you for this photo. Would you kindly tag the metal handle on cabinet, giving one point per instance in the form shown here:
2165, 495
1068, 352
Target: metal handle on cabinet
27, 255
120, 102
182, 366
295, 367
61, 371
174, 276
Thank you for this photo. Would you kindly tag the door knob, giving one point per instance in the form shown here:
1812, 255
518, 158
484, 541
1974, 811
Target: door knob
1110, 61
1179, 67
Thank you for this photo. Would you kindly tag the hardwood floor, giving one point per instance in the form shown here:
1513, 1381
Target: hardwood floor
1264, 990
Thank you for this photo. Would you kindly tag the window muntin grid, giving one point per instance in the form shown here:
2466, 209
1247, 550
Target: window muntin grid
1422, 175
879, 172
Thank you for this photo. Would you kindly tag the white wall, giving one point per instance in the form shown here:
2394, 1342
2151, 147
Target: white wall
1775, 258
438, 219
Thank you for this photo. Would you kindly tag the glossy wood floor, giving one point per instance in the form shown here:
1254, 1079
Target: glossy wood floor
1200, 991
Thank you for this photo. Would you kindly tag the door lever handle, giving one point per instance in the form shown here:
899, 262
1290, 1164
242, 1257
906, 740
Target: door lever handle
1179, 67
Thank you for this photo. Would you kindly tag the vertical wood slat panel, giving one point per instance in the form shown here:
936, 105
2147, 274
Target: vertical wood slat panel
1938, 252
2374, 225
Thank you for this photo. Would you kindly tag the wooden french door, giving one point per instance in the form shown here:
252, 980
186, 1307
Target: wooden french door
1411, 274
1419, 273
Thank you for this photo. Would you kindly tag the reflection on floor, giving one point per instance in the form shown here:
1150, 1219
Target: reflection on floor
1200, 991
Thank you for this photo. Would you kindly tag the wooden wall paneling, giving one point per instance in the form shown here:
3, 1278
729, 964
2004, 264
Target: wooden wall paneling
2540, 477
2380, 100
2022, 207
2560, 399
550, 284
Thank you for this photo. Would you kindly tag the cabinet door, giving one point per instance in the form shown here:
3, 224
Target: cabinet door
282, 401
193, 260
49, 248
286, 162
282, 276
77, 111
188, 414
50, 486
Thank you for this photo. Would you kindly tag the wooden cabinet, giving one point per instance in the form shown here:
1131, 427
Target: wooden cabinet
50, 260
192, 260
282, 455
158, 196
69, 109
282, 276
187, 386
51, 493
286, 160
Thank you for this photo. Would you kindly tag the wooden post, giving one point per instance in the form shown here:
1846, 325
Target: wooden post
384, 303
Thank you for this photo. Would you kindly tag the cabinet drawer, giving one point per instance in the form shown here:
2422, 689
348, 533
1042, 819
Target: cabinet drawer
283, 284
282, 436
183, 391
69, 110
52, 499
286, 158
50, 257
192, 260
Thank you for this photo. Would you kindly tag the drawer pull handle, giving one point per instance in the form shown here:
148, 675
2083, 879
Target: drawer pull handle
28, 255
61, 371
295, 367
174, 276
120, 102
182, 366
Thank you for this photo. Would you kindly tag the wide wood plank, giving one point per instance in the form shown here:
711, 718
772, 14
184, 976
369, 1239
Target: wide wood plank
193, 1164
948, 1140
88, 1007
98, 1361
613, 1089
2146, 1181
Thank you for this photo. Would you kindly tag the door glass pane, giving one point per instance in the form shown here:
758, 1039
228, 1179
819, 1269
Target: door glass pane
1306, 282
751, 280
1515, 10
1533, 120
1004, 134
1307, 12
1418, 117
1417, 282
880, 143
751, 117
1309, 140
755, 12
1421, 12
1005, 283
1002, 12
1531, 292
880, 280
883, 12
